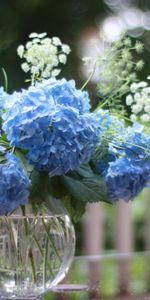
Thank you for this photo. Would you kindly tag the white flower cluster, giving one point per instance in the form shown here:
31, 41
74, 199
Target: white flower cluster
113, 68
43, 55
139, 100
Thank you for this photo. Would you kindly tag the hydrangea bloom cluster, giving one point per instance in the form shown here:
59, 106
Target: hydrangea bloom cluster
126, 179
125, 165
110, 125
64, 92
136, 143
53, 125
43, 55
139, 101
14, 185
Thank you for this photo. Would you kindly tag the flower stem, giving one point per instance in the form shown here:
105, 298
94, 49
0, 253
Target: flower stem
5, 79
50, 239
42, 254
90, 77
45, 261
31, 257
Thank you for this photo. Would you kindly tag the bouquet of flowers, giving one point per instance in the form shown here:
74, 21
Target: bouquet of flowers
52, 144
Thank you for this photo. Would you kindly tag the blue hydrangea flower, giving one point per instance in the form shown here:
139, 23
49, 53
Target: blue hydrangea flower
126, 179
125, 163
64, 92
109, 124
136, 142
58, 135
14, 185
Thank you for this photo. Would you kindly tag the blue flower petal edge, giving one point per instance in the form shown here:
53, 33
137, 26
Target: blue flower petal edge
14, 185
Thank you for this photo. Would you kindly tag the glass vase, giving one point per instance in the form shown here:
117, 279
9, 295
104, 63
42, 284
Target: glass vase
36, 251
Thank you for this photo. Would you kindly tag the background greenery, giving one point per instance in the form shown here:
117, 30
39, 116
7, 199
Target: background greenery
64, 18
67, 19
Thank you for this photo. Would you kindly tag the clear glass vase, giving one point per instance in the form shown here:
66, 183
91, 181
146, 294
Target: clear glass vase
36, 251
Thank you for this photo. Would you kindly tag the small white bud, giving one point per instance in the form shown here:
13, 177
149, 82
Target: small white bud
129, 100
66, 49
137, 97
142, 84
20, 51
25, 67
147, 108
62, 58
146, 90
41, 35
56, 41
139, 47
34, 70
55, 72
145, 118
33, 35
46, 74
136, 108
133, 118
29, 45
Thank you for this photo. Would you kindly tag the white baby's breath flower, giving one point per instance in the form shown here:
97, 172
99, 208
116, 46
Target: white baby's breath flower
137, 97
34, 69
140, 106
42, 35
136, 108
25, 67
142, 84
28, 45
66, 49
43, 55
56, 41
133, 87
62, 58
133, 118
20, 51
145, 118
146, 90
147, 109
55, 72
46, 74
129, 100
33, 35
36, 41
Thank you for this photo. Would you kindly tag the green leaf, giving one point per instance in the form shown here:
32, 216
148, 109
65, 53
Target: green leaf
4, 142
75, 208
85, 171
87, 189
26, 165
2, 159
4, 137
56, 187
39, 188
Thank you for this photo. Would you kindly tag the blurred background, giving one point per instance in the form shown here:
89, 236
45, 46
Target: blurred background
122, 228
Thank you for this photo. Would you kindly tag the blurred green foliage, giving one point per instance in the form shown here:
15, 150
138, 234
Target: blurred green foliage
66, 19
